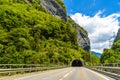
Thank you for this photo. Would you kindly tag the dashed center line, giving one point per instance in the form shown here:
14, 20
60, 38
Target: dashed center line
66, 75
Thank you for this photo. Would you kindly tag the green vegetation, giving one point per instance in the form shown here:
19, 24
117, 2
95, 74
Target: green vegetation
62, 4
31, 3
112, 55
30, 35
75, 25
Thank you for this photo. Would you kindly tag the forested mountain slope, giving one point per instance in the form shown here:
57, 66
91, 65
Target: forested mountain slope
29, 33
112, 55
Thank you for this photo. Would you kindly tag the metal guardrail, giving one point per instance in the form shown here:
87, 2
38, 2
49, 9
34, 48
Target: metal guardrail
8, 68
109, 69
111, 64
115, 70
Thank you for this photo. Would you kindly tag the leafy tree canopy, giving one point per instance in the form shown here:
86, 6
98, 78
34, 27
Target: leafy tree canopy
30, 35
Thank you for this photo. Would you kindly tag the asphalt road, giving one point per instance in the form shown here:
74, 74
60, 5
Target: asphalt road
72, 73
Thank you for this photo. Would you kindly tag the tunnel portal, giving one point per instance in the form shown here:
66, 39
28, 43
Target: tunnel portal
77, 63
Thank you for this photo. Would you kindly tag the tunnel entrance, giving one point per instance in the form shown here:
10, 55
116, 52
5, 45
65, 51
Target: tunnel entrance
77, 63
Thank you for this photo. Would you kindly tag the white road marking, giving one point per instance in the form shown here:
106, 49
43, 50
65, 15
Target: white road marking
99, 74
66, 75
32, 76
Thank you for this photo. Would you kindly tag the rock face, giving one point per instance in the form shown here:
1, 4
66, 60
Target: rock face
83, 40
118, 36
56, 9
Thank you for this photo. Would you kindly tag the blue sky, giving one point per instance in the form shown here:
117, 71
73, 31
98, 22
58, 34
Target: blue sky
91, 7
101, 19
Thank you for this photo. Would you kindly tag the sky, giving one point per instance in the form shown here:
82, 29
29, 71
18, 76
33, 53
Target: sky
100, 18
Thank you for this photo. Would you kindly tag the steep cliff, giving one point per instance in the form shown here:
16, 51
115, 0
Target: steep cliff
54, 8
118, 36
57, 10
82, 39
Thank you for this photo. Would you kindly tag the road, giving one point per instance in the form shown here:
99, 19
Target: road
72, 73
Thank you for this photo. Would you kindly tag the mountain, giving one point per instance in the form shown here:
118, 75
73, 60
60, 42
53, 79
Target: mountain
96, 54
54, 8
39, 32
112, 55
118, 36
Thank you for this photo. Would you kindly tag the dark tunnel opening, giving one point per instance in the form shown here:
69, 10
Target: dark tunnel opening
77, 63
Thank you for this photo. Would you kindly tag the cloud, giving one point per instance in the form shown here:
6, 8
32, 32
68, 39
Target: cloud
100, 29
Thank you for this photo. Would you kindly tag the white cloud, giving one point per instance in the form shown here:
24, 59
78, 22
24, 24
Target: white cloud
100, 29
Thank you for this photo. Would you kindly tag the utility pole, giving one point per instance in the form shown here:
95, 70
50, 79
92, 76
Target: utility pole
110, 40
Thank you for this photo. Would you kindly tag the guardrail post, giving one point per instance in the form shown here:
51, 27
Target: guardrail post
22, 66
30, 69
9, 73
36, 67
117, 64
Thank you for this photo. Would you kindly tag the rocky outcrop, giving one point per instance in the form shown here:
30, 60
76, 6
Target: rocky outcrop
55, 9
118, 35
83, 40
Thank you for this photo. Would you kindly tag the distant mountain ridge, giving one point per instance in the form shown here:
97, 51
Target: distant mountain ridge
96, 54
